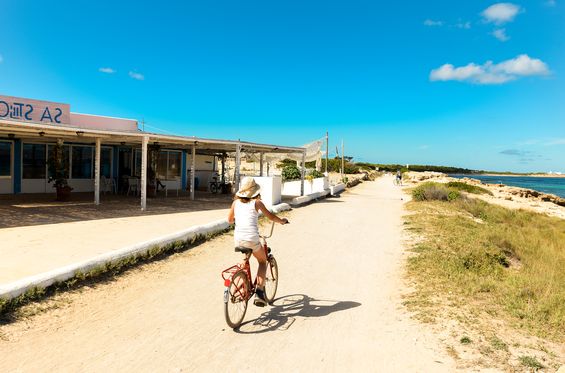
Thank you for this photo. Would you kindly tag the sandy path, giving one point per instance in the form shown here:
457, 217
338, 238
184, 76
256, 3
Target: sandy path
339, 307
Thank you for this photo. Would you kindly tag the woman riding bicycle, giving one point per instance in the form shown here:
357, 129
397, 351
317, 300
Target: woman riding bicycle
244, 212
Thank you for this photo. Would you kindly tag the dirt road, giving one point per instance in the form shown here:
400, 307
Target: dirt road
338, 308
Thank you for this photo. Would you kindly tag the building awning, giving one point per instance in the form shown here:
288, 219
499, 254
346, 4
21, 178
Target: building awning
81, 134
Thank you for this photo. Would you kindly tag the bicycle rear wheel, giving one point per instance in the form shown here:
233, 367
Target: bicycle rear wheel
235, 299
271, 279
213, 188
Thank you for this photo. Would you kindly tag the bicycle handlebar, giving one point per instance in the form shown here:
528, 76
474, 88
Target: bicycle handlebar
272, 229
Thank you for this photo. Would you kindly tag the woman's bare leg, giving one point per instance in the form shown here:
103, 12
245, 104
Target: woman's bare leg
262, 259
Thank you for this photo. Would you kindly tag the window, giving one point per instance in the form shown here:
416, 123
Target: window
66, 150
35, 161
124, 159
82, 162
174, 165
137, 163
162, 165
106, 162
5, 159
169, 165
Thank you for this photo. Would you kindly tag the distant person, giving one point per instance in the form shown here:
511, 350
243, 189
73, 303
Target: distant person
399, 177
244, 213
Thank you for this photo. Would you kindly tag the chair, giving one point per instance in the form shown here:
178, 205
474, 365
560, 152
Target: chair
108, 185
177, 184
133, 185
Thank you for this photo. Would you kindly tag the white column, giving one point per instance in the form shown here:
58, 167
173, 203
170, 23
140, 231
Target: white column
223, 170
237, 165
192, 171
261, 164
303, 173
144, 173
97, 172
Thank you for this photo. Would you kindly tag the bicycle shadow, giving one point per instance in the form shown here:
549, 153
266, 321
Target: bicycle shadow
285, 310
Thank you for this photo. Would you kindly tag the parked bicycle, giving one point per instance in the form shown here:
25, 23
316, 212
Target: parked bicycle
238, 285
216, 186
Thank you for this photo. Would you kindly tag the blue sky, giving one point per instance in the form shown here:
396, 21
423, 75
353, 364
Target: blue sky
475, 84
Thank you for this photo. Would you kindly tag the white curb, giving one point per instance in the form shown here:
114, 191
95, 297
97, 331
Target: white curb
298, 201
335, 189
43, 280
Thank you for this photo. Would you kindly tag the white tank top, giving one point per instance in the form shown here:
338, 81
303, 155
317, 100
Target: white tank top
246, 222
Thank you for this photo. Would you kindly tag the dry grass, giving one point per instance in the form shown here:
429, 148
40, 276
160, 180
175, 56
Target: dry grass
497, 261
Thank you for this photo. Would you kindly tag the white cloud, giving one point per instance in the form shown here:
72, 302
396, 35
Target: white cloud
107, 70
136, 75
431, 23
500, 34
501, 13
490, 73
463, 25
522, 65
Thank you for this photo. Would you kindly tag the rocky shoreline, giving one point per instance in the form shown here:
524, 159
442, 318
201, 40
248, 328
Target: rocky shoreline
504, 195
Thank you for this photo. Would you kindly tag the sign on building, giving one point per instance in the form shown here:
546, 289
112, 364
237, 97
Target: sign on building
34, 111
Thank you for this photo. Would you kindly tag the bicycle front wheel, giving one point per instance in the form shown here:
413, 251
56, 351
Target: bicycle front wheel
213, 188
271, 279
235, 299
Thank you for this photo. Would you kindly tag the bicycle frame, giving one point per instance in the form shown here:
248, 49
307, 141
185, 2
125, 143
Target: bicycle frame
228, 273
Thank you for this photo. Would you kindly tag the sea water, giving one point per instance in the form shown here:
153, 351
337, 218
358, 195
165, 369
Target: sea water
551, 185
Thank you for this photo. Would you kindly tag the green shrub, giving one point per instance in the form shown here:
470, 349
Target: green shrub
315, 174
435, 192
458, 185
286, 162
291, 172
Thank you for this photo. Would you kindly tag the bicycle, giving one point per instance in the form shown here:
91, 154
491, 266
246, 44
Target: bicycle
215, 185
239, 288
219, 187
397, 181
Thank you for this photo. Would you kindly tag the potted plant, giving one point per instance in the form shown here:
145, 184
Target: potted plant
58, 174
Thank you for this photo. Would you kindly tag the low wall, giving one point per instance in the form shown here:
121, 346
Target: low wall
338, 188
270, 189
292, 188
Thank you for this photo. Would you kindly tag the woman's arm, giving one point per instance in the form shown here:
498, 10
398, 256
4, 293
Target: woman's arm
261, 207
231, 214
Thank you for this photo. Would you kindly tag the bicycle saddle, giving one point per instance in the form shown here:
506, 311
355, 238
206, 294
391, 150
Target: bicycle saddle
244, 250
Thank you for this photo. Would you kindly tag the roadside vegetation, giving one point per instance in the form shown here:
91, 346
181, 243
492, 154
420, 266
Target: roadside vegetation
451, 191
483, 259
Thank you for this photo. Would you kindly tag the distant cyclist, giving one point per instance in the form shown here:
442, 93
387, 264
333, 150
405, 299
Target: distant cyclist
399, 177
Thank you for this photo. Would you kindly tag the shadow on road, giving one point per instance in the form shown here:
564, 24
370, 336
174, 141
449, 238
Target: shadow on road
285, 310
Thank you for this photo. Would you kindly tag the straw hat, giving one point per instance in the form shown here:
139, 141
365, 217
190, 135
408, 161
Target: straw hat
249, 188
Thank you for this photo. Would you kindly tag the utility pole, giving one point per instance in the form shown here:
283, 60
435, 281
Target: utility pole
143, 124
327, 151
342, 160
